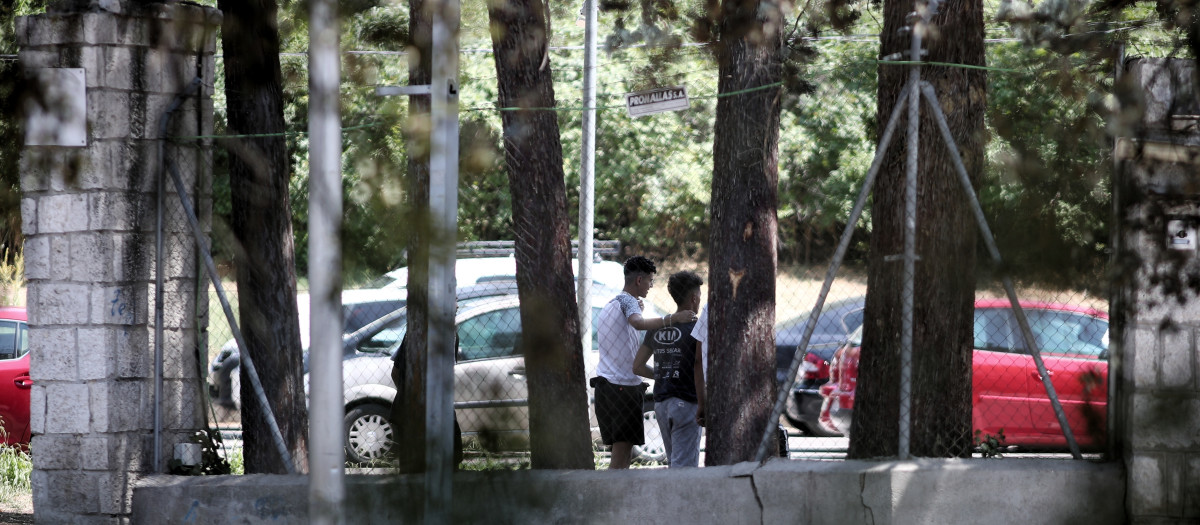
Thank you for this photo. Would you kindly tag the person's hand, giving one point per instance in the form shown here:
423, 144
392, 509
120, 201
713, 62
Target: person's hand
700, 415
683, 316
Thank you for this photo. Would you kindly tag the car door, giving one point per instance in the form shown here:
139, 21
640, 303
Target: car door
999, 386
1074, 349
490, 390
14, 382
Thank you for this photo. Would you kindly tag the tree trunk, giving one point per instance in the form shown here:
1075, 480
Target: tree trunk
945, 244
741, 379
408, 410
559, 432
261, 216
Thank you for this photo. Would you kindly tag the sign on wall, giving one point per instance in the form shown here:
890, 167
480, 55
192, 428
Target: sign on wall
57, 115
658, 100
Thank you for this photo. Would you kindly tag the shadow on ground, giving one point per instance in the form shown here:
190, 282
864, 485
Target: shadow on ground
15, 518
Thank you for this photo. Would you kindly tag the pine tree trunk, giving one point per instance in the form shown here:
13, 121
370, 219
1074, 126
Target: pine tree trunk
741, 377
408, 410
266, 272
559, 432
945, 244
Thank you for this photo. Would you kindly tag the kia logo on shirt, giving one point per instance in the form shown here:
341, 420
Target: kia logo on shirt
667, 336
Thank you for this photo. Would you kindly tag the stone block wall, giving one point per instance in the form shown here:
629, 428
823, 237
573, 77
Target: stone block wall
1157, 307
89, 215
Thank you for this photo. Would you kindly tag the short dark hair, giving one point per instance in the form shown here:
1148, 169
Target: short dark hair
682, 284
638, 264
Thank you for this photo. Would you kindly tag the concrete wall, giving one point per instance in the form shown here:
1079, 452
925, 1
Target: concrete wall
1157, 311
88, 214
851, 492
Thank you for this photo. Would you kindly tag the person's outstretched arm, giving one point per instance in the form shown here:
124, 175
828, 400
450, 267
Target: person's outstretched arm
654, 323
639, 363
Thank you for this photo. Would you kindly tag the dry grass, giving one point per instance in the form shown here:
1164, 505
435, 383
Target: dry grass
797, 287
12, 280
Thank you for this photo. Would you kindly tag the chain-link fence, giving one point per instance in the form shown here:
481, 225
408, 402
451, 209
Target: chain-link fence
652, 195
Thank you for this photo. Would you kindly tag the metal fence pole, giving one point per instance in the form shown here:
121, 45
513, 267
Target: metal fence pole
910, 233
326, 487
990, 241
1116, 360
192, 88
158, 291
443, 202
211, 269
587, 173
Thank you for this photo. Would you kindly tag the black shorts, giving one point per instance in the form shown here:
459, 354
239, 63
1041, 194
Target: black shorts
619, 412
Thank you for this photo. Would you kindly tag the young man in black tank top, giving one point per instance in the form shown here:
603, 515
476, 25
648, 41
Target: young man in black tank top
675, 354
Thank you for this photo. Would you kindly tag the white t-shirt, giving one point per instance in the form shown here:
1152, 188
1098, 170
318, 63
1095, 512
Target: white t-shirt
700, 333
618, 340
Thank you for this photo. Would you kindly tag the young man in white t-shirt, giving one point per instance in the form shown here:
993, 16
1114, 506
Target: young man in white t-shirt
619, 392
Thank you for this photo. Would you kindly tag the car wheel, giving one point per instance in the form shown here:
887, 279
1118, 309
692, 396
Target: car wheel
368, 433
654, 450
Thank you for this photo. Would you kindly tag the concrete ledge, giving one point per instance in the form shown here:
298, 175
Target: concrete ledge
922, 491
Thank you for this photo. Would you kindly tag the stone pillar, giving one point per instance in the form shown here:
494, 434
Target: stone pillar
1157, 306
89, 215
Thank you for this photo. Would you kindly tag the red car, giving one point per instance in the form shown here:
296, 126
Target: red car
14, 376
1007, 390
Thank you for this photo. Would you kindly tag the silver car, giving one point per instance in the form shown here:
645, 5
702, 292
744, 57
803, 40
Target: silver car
490, 395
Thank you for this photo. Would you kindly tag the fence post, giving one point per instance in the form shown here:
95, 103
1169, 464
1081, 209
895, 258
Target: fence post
587, 174
920, 23
443, 203
326, 486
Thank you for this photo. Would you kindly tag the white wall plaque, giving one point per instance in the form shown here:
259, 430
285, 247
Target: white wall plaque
57, 112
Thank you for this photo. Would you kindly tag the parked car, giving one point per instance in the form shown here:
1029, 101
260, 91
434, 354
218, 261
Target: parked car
481, 270
15, 382
359, 308
837, 321
490, 395
1007, 390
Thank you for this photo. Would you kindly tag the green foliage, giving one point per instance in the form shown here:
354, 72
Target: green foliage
237, 462
16, 468
1044, 189
1047, 157
990, 446
826, 148
11, 95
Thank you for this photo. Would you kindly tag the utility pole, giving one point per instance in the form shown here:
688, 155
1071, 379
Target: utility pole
326, 481
443, 209
443, 204
587, 175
